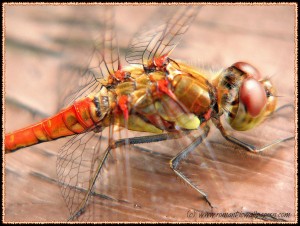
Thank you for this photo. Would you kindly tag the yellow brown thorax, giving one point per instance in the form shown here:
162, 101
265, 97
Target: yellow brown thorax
185, 107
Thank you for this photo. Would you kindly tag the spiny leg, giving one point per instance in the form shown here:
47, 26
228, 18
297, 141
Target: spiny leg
279, 109
183, 154
243, 144
151, 138
283, 107
119, 143
89, 191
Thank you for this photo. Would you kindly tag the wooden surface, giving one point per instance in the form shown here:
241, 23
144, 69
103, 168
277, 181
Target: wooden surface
235, 181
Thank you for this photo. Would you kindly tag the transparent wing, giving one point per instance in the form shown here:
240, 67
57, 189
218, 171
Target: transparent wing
161, 35
76, 165
90, 53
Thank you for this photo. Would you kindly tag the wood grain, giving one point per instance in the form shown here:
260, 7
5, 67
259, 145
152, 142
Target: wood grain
235, 181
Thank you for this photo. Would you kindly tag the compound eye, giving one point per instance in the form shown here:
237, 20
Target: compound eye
248, 69
253, 96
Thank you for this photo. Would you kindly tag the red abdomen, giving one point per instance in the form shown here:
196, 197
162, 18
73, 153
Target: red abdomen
73, 120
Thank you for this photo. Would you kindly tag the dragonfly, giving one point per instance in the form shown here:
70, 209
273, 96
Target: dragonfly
147, 96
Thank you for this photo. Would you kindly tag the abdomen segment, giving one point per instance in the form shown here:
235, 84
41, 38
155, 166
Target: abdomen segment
73, 120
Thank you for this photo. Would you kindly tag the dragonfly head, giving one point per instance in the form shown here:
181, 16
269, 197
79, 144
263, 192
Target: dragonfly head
245, 97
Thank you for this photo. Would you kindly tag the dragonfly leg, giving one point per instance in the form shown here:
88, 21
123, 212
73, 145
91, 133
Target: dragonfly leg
183, 154
150, 139
118, 143
92, 182
284, 106
273, 114
243, 144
